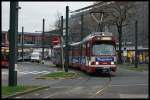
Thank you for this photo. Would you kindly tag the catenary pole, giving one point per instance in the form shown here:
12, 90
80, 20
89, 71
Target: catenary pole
13, 30
43, 39
136, 37
66, 42
61, 38
22, 40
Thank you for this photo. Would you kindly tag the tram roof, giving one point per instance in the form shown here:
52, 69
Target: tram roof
87, 38
93, 34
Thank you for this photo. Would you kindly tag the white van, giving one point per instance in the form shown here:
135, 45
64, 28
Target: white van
36, 57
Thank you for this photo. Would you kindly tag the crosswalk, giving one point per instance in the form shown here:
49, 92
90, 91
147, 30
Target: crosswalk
27, 72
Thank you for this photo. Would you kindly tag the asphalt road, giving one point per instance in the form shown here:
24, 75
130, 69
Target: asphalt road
125, 84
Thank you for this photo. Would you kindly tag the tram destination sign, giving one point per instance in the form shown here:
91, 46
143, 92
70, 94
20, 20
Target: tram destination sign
104, 59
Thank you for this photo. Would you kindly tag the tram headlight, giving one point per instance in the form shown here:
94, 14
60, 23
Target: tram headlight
112, 63
97, 63
89, 63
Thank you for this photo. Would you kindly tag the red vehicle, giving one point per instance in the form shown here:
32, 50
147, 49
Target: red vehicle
4, 57
96, 53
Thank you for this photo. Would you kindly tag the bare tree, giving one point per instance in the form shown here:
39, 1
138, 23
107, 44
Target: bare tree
120, 13
115, 13
58, 20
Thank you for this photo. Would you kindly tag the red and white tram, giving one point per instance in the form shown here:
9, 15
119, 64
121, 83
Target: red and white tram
95, 53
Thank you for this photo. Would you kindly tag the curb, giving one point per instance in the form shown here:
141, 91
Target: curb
57, 78
52, 78
27, 91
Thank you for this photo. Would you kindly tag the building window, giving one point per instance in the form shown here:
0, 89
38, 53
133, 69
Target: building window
33, 39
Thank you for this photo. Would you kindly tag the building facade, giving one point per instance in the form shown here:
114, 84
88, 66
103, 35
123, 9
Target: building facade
31, 42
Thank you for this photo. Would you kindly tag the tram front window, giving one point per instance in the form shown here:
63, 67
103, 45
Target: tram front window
103, 49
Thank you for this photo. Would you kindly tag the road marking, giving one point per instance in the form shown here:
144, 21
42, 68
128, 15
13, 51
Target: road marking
133, 96
18, 97
130, 85
4, 73
36, 94
46, 89
51, 95
66, 91
103, 88
27, 72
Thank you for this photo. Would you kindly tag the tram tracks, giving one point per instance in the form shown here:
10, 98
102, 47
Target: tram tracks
76, 89
85, 86
108, 84
101, 90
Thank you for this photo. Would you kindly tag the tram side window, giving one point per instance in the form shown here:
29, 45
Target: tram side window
88, 51
83, 50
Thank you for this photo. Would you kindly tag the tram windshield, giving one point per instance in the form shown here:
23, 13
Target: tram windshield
103, 49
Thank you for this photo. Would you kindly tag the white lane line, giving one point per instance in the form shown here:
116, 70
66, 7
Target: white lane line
18, 97
28, 72
36, 94
46, 89
6, 73
131, 85
23, 73
133, 96
39, 72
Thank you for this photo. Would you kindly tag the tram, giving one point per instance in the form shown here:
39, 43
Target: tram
96, 53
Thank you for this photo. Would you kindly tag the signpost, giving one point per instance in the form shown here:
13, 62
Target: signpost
124, 55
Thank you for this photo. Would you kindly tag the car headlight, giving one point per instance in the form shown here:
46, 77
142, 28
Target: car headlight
112, 63
97, 63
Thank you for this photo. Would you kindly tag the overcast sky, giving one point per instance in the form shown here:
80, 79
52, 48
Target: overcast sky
32, 13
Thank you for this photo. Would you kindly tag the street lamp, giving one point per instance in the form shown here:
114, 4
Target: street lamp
22, 41
13, 30
42, 38
66, 42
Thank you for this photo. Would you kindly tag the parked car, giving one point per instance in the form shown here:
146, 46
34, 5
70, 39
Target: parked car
25, 58
36, 57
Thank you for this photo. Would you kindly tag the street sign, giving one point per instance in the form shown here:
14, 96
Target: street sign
55, 40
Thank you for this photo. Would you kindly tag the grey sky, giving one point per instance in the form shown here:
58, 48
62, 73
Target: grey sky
32, 13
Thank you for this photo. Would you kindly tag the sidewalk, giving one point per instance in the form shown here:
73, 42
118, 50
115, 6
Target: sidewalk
131, 67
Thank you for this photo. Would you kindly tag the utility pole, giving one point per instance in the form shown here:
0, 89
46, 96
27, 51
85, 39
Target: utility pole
22, 41
13, 29
43, 39
67, 47
81, 37
61, 38
136, 37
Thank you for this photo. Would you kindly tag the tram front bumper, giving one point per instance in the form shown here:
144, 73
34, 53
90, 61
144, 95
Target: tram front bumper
104, 68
